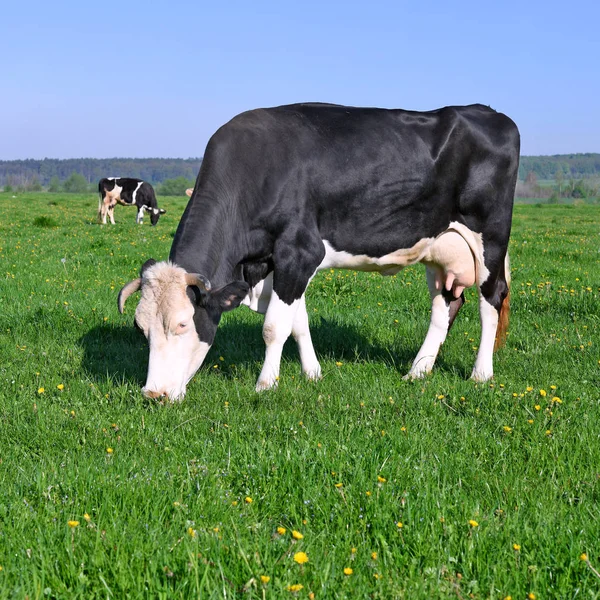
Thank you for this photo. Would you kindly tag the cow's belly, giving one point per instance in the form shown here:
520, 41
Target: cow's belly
388, 264
456, 256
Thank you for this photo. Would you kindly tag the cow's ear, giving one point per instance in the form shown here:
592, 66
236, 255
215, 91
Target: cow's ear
162, 211
146, 266
231, 295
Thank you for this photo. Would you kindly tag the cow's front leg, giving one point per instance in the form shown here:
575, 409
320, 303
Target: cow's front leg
279, 321
140, 216
301, 332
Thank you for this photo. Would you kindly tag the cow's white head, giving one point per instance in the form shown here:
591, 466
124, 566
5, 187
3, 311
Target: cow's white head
178, 313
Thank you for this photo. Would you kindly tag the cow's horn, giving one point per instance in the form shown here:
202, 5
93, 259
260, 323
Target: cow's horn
197, 280
130, 288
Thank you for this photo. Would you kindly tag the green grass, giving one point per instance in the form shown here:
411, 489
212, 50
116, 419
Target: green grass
167, 509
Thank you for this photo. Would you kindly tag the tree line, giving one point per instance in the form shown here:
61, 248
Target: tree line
567, 166
575, 175
32, 174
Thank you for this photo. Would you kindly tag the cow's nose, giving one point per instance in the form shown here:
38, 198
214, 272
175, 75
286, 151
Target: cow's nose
153, 393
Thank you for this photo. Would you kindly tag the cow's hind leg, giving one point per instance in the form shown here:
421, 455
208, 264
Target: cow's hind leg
443, 311
493, 309
111, 214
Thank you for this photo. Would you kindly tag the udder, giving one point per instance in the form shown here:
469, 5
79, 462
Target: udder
453, 263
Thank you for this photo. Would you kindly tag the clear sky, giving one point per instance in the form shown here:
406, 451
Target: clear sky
147, 79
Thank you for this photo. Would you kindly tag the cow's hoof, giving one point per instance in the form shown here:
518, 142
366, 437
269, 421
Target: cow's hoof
414, 374
314, 375
481, 376
263, 385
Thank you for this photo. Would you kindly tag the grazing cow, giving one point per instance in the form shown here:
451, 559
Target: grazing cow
128, 192
283, 192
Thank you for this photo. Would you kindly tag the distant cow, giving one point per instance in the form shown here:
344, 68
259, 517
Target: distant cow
128, 192
284, 192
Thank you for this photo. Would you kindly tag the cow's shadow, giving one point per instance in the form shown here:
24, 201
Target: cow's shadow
120, 353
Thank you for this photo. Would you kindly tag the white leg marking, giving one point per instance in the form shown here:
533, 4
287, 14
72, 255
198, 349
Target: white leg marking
484, 366
438, 329
301, 332
111, 214
140, 216
276, 330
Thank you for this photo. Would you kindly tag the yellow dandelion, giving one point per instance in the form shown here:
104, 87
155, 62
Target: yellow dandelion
61, 386
368, 493
537, 407
376, 575
530, 421
73, 524
301, 558
507, 597
41, 390
507, 429
531, 596
381, 479
552, 387
543, 393
281, 530
399, 525
516, 547
311, 596
473, 523
296, 587
583, 556
248, 500
297, 535
348, 571
557, 400
216, 529
87, 517
353, 550
548, 432
403, 428
109, 451
192, 532
338, 364
529, 388
339, 485
265, 579
374, 555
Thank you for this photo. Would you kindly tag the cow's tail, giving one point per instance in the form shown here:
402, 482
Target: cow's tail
504, 314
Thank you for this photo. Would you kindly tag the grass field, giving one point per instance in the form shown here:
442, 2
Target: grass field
440, 488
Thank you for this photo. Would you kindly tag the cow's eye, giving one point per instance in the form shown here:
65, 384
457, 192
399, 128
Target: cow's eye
181, 326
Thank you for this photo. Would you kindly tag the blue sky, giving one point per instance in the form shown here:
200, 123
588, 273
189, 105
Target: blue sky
145, 79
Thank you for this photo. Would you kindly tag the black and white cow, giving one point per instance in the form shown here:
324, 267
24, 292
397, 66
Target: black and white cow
283, 192
128, 192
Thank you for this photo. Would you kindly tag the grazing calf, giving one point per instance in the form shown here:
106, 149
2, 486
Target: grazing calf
283, 192
128, 192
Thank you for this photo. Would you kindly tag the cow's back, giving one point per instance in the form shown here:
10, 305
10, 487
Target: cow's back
372, 180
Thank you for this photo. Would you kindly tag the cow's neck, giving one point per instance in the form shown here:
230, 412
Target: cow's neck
210, 240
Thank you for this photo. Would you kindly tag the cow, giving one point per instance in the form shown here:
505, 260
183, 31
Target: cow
128, 192
286, 191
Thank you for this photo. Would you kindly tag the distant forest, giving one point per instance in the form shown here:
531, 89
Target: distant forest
52, 174
566, 166
31, 173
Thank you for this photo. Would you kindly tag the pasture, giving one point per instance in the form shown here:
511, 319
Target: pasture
440, 488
